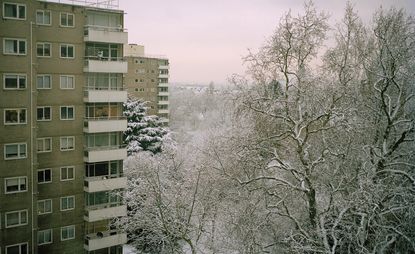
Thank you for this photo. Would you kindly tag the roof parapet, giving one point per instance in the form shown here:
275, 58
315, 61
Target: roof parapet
102, 4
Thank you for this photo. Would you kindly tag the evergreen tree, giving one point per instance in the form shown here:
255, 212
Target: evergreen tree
144, 132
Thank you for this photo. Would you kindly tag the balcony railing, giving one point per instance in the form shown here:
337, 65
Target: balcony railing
102, 148
105, 239
105, 58
102, 118
104, 28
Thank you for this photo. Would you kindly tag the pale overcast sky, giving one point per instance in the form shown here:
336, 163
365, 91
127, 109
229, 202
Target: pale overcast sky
206, 39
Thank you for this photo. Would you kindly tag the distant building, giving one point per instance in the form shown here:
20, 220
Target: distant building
61, 95
147, 79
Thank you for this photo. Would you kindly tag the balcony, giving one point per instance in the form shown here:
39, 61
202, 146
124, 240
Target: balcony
106, 95
163, 67
105, 34
163, 93
163, 84
164, 120
98, 154
163, 75
104, 183
163, 102
105, 65
106, 239
105, 124
163, 111
104, 211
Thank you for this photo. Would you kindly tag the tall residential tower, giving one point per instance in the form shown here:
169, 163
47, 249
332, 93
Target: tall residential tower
61, 95
147, 79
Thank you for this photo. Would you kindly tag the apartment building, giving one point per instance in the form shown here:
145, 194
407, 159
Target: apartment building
61, 95
147, 79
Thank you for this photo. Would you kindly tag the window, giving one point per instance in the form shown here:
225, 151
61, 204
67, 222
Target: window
44, 49
15, 116
14, 46
44, 237
44, 145
15, 151
67, 203
44, 176
67, 19
67, 233
44, 206
43, 17
67, 51
141, 89
67, 82
67, 143
67, 173
44, 81
14, 81
67, 112
14, 11
16, 218
44, 113
20, 248
15, 184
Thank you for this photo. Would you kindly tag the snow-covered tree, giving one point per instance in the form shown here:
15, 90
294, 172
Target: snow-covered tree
144, 132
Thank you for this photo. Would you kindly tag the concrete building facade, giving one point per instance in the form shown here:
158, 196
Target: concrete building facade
61, 95
147, 79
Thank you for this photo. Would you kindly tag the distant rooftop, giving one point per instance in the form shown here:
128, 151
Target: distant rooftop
104, 4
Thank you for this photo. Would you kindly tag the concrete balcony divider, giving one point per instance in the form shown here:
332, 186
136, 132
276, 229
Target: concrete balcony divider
104, 183
97, 125
106, 239
104, 154
105, 211
105, 34
105, 96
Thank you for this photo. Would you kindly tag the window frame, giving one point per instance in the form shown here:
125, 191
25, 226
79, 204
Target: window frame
43, 49
18, 77
44, 169
67, 209
67, 119
66, 137
42, 202
67, 77
19, 244
20, 218
43, 78
43, 140
18, 157
67, 168
65, 228
16, 177
42, 231
66, 45
17, 6
18, 48
43, 17
43, 119
18, 116
66, 14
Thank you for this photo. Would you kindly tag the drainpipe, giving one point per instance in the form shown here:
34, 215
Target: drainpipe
32, 126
